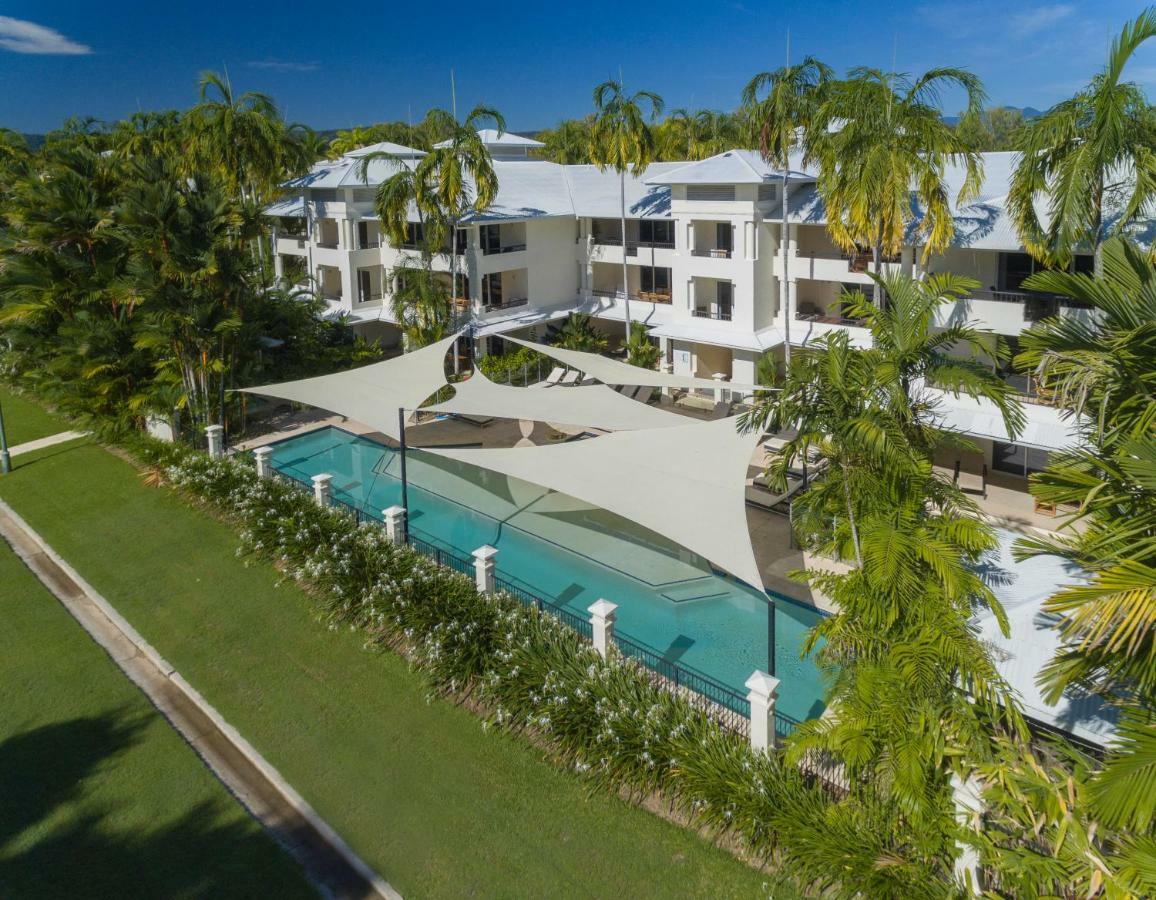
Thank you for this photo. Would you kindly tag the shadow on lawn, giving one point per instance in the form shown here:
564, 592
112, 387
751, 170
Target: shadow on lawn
81, 853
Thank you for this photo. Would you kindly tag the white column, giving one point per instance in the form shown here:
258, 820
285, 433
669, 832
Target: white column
907, 260
718, 391
263, 455
763, 691
323, 489
668, 366
967, 797
484, 568
603, 614
395, 523
216, 438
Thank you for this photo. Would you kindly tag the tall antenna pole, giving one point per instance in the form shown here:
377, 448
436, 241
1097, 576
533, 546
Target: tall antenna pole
453, 95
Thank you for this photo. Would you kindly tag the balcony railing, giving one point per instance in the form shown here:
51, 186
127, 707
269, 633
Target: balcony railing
327, 245
507, 248
714, 253
505, 304
1036, 305
826, 319
722, 314
644, 296
369, 245
632, 247
371, 297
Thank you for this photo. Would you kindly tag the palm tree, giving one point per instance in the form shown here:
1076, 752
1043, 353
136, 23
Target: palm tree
239, 136
461, 174
1092, 156
568, 143
957, 358
621, 140
785, 119
882, 147
1102, 369
577, 332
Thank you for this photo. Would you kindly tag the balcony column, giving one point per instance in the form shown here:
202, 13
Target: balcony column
967, 797
748, 240
907, 261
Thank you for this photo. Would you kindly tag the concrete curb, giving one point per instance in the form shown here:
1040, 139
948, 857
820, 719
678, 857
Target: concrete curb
246, 750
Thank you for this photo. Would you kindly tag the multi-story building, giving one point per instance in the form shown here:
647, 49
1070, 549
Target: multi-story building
706, 271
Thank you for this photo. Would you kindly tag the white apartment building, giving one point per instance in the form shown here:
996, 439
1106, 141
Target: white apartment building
705, 269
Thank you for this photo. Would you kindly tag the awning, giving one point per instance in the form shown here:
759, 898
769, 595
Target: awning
524, 318
372, 394
611, 371
696, 333
588, 405
687, 483
1046, 429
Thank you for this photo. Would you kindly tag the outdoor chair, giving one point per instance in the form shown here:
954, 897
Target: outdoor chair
625, 390
570, 377
971, 482
555, 376
644, 393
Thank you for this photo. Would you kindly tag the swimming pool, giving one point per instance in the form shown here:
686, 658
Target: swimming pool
568, 552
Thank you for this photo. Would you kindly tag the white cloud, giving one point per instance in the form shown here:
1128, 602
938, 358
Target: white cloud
1039, 19
20, 36
278, 65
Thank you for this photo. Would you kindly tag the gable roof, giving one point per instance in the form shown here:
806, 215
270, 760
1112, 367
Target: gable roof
730, 167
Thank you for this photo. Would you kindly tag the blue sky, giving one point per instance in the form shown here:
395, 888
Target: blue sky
336, 64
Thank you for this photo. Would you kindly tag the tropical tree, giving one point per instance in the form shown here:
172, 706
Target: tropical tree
622, 140
882, 148
567, 143
1091, 158
1101, 368
996, 128
421, 304
641, 351
918, 355
783, 106
237, 136
461, 174
577, 332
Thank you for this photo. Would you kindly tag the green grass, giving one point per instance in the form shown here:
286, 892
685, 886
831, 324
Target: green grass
438, 805
25, 421
99, 797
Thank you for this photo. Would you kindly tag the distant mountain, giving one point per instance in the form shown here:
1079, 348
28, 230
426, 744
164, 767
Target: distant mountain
1029, 112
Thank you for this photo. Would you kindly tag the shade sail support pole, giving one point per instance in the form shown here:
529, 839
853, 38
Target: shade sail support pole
404, 480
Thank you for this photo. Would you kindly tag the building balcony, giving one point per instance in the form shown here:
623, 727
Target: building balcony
644, 296
508, 248
632, 247
718, 313
802, 315
713, 253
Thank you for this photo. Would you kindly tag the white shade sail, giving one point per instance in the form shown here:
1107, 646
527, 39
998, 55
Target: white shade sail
611, 371
372, 394
687, 483
595, 405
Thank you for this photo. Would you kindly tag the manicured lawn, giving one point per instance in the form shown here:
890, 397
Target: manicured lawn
25, 421
440, 806
99, 797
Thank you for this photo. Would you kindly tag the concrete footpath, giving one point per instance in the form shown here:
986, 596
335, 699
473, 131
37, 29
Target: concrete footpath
328, 861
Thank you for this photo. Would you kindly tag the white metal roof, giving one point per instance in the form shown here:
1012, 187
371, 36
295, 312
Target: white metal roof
595, 192
386, 147
702, 331
1046, 427
730, 167
506, 139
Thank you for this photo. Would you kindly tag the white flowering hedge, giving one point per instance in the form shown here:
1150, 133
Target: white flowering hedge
525, 669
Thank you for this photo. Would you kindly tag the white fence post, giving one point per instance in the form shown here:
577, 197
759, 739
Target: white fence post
967, 796
323, 489
603, 614
263, 455
763, 691
395, 523
484, 568
216, 437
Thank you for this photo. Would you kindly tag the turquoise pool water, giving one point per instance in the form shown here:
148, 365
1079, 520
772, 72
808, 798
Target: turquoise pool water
573, 554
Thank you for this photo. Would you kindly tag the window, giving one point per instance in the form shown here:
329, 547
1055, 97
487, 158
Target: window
724, 236
366, 237
656, 232
414, 235
492, 290
1014, 269
1017, 459
656, 280
767, 192
725, 298
490, 237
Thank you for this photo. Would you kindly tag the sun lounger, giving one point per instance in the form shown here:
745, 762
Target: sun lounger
625, 390
644, 393
555, 375
972, 482
570, 377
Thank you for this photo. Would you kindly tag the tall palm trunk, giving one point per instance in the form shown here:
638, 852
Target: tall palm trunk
785, 286
877, 255
625, 277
